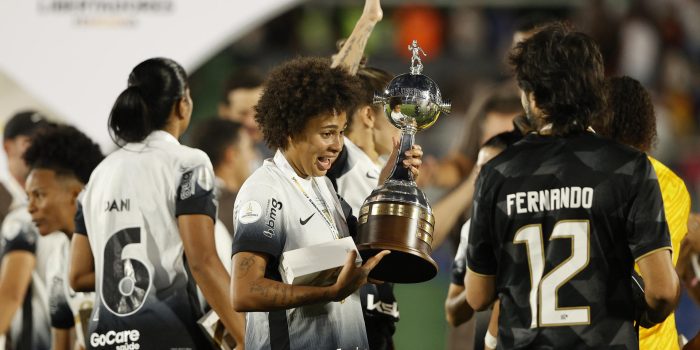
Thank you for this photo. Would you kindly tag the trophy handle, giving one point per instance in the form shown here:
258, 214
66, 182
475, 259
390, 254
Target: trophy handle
445, 106
399, 172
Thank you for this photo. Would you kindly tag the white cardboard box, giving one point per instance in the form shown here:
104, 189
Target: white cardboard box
316, 265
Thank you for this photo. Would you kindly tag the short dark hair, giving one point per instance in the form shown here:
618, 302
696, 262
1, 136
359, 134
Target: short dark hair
214, 135
24, 123
65, 150
154, 86
564, 71
299, 90
630, 117
244, 78
372, 80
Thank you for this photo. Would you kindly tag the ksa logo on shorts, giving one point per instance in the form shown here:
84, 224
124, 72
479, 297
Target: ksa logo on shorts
122, 340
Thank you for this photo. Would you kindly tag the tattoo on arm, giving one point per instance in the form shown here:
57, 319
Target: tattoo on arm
245, 265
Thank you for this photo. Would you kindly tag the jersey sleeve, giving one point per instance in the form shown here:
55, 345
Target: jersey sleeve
61, 314
259, 215
18, 233
79, 220
195, 191
647, 230
481, 257
459, 265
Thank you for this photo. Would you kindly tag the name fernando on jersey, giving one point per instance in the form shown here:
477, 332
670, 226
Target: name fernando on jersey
550, 199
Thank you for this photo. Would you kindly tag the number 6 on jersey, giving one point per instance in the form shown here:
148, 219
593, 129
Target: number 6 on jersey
543, 291
125, 282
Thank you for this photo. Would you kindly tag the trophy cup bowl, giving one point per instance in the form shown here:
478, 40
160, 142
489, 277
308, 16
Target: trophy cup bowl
397, 216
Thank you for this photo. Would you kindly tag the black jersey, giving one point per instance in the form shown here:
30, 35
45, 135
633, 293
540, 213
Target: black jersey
568, 216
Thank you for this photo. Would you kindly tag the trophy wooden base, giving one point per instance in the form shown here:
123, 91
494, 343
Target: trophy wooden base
404, 229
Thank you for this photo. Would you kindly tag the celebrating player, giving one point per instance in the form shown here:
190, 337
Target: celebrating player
289, 204
61, 160
560, 218
144, 204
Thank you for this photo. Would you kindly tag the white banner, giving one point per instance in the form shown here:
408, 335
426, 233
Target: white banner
75, 55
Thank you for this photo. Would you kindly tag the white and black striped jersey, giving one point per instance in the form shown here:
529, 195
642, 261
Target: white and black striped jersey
30, 328
277, 211
129, 211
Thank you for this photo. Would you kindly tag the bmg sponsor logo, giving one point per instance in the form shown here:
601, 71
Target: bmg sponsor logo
274, 207
122, 340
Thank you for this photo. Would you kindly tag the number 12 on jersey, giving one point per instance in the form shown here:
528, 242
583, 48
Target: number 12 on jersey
543, 290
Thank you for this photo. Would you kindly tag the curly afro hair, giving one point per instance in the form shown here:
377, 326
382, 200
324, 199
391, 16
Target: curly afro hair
564, 71
299, 90
65, 150
630, 117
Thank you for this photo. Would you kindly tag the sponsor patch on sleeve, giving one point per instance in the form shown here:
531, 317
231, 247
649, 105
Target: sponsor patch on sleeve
250, 212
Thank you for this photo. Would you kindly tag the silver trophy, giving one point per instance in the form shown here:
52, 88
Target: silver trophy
397, 216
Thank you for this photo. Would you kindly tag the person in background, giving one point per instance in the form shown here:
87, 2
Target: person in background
230, 149
240, 96
61, 160
144, 231
16, 138
24, 307
457, 311
631, 121
354, 175
491, 113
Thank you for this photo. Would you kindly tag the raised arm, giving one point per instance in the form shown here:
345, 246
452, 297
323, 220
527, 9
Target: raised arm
197, 233
350, 54
15, 274
81, 275
253, 292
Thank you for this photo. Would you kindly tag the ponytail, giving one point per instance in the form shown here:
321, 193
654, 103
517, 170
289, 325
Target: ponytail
129, 120
155, 85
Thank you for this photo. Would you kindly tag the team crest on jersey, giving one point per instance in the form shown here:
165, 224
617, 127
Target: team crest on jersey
250, 212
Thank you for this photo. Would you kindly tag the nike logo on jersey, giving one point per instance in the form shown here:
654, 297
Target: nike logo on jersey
371, 176
303, 222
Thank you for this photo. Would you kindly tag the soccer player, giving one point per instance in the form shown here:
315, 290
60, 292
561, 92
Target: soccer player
631, 120
15, 140
288, 204
24, 314
61, 160
145, 225
457, 311
560, 218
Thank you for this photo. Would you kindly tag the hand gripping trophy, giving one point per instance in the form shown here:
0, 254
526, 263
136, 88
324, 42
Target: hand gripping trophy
397, 216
